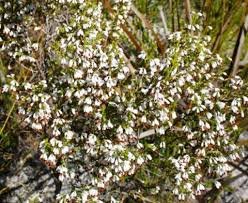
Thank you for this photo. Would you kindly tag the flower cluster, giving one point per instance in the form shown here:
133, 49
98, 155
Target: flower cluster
104, 118
20, 33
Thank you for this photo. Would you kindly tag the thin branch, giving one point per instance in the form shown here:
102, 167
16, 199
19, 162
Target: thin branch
172, 15
107, 6
2, 77
238, 168
163, 17
238, 48
188, 11
147, 133
150, 132
223, 28
146, 23
244, 62
8, 116
243, 142
132, 38
226, 19
130, 66
178, 16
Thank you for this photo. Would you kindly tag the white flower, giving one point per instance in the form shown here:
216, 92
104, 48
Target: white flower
27, 86
140, 161
210, 27
88, 109
61, 177
155, 122
142, 55
235, 109
108, 176
56, 150
125, 69
63, 61
131, 156
35, 46
214, 64
36, 126
181, 196
149, 157
69, 134
217, 184
78, 74
88, 101
92, 139
235, 127
200, 187
129, 131
188, 186
242, 114
140, 145
84, 196
221, 104
44, 156
201, 123
52, 158
173, 115
163, 116
201, 56
100, 184
5, 88
6, 30
162, 145
113, 200
35, 98
65, 150
126, 166
121, 76
161, 130
245, 99
209, 115
80, 33
73, 194
21, 111
93, 192
232, 119
191, 27
27, 58
119, 130
109, 125
181, 81
198, 177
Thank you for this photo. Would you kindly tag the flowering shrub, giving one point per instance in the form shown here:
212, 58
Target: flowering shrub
161, 123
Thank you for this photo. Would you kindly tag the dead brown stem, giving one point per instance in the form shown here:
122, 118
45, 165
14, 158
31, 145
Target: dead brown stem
146, 23
188, 11
233, 69
107, 6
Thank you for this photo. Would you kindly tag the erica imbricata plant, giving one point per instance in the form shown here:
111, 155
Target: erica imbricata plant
162, 122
